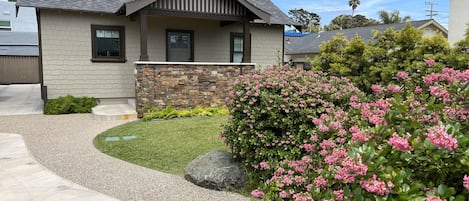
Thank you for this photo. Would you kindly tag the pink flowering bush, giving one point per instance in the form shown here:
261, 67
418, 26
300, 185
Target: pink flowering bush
307, 136
276, 112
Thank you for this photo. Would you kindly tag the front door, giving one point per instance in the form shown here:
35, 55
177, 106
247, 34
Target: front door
179, 46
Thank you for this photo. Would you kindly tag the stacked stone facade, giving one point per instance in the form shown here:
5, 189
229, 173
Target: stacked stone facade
184, 86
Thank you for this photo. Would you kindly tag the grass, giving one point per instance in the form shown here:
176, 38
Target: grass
167, 146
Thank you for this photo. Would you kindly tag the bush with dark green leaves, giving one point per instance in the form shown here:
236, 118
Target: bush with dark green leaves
69, 104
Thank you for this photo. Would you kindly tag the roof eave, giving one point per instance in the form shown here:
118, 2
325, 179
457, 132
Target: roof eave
258, 12
134, 6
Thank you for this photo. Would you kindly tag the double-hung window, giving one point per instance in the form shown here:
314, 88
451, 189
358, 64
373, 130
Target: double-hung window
108, 43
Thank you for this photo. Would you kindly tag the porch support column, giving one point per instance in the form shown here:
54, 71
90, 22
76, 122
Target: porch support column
247, 41
143, 38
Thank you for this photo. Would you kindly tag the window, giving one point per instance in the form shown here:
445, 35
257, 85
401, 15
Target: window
179, 46
236, 47
5, 25
108, 43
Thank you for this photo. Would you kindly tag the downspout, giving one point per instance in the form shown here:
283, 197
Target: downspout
41, 69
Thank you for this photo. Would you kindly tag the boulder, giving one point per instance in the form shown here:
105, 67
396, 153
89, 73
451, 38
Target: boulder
216, 170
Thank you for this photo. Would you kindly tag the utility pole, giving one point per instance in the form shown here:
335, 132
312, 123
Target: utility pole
431, 12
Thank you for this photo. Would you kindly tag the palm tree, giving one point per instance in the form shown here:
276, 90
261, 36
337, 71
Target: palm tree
392, 17
353, 4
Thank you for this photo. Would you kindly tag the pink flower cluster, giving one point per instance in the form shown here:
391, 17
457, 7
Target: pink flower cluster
264, 165
372, 112
350, 170
466, 182
434, 198
373, 185
359, 135
430, 62
376, 89
257, 193
394, 89
440, 138
303, 197
401, 75
400, 143
449, 76
441, 92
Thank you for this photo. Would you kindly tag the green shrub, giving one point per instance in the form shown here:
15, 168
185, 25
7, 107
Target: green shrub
170, 113
69, 104
390, 51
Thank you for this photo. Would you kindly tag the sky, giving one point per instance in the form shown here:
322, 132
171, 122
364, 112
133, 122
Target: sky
329, 9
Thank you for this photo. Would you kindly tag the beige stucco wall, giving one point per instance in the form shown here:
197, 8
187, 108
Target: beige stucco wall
458, 19
66, 48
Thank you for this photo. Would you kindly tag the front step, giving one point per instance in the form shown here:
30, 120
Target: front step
114, 112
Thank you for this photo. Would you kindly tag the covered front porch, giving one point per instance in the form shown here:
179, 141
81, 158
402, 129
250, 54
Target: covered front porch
196, 31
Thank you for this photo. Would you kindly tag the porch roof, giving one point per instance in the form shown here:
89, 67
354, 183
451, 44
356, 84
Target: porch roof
267, 11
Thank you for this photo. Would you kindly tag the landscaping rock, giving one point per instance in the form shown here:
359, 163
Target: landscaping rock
216, 170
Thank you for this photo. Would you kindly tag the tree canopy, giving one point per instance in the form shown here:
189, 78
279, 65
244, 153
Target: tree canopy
309, 20
348, 21
392, 17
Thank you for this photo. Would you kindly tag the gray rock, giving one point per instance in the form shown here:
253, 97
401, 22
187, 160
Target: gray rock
216, 170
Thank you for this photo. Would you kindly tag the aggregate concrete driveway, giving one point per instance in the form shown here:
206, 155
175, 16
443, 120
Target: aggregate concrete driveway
20, 99
63, 144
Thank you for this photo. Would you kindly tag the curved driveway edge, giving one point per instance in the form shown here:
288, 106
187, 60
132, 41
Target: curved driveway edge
64, 145
23, 179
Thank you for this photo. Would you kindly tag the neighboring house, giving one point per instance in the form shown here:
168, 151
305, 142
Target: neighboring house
88, 47
297, 49
24, 22
458, 20
19, 53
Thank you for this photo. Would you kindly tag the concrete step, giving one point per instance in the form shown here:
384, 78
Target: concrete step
114, 112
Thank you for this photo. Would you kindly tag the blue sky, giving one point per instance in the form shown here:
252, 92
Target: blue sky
328, 9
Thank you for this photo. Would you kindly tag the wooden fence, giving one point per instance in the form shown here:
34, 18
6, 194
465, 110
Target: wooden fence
19, 70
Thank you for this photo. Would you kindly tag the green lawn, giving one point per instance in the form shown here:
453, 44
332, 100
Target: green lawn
167, 146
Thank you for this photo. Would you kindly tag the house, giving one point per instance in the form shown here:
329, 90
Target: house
25, 21
88, 48
458, 20
300, 48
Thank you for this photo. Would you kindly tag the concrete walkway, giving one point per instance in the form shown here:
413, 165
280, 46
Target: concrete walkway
23, 179
63, 144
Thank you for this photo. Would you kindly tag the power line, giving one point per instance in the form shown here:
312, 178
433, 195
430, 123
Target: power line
431, 12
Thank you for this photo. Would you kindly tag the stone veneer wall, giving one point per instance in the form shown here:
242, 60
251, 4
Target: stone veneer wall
184, 85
